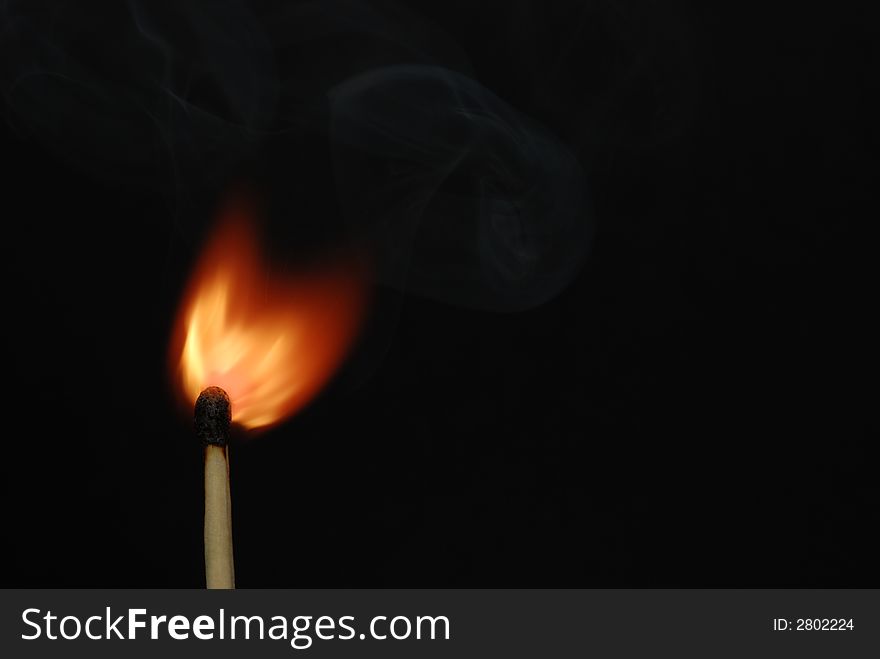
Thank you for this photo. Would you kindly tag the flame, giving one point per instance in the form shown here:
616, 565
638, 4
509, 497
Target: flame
271, 343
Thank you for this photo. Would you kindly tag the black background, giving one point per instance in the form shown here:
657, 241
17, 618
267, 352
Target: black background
697, 408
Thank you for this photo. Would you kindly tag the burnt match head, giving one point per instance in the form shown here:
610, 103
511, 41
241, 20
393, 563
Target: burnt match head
213, 416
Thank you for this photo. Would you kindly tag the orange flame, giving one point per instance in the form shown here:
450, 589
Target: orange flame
271, 343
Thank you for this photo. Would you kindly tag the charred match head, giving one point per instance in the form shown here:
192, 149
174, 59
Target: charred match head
213, 416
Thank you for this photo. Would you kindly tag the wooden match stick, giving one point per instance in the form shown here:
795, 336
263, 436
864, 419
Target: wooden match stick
213, 416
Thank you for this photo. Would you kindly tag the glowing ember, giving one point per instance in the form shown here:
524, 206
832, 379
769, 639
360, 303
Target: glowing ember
271, 343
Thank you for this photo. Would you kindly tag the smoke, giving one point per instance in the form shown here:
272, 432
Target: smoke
130, 92
470, 202
462, 198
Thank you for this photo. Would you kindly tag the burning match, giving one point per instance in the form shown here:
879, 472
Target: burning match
213, 416
253, 349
